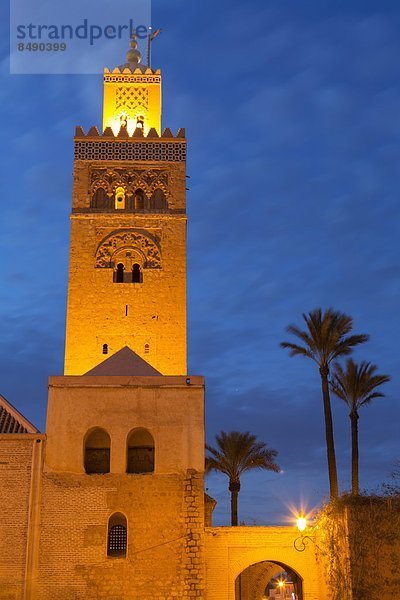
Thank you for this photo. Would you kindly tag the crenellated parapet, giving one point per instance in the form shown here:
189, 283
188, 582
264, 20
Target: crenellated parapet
123, 133
94, 145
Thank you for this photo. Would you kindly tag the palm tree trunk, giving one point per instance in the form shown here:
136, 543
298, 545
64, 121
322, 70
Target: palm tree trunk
355, 485
330, 443
234, 488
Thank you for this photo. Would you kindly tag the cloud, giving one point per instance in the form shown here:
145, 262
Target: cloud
292, 113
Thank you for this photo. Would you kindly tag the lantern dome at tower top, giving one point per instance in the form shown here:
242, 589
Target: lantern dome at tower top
133, 57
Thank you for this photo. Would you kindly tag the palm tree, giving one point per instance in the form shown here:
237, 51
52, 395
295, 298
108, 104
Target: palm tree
325, 339
357, 387
236, 453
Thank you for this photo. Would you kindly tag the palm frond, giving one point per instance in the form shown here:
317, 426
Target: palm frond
297, 350
345, 346
325, 338
357, 385
238, 452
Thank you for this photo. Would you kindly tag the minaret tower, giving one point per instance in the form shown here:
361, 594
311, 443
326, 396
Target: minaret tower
109, 503
127, 272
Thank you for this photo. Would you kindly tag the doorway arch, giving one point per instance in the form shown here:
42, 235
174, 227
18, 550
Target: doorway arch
267, 580
231, 550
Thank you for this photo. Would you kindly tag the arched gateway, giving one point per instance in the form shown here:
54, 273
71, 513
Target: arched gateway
267, 579
242, 561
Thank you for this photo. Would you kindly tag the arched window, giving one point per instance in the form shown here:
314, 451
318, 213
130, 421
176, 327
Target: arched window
120, 198
140, 452
158, 200
136, 274
117, 535
97, 452
100, 198
139, 200
119, 273
146, 348
105, 348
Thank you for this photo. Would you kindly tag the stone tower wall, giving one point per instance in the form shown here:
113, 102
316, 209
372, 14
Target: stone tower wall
149, 317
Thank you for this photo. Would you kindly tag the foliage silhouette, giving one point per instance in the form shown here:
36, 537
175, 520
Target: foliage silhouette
325, 339
236, 453
357, 386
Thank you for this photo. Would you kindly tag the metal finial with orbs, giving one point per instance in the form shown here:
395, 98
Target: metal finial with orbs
133, 55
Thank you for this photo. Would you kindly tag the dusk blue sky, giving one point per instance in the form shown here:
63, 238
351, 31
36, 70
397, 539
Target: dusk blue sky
292, 112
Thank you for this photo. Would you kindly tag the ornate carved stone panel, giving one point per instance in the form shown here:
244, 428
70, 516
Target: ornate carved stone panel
130, 179
136, 240
132, 98
119, 150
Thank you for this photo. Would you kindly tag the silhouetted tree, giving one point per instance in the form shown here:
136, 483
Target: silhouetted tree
393, 487
325, 339
357, 386
236, 453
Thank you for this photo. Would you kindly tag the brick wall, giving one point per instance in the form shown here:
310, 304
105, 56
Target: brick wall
164, 556
15, 483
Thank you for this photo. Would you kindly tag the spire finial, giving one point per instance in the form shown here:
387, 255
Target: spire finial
133, 55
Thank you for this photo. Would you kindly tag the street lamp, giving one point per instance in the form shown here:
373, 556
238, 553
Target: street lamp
301, 523
280, 584
302, 541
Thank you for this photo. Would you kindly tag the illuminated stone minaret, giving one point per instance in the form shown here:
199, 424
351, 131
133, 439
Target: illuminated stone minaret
127, 273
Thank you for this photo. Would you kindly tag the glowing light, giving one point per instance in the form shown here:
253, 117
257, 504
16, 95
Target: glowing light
281, 584
301, 512
301, 522
130, 123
